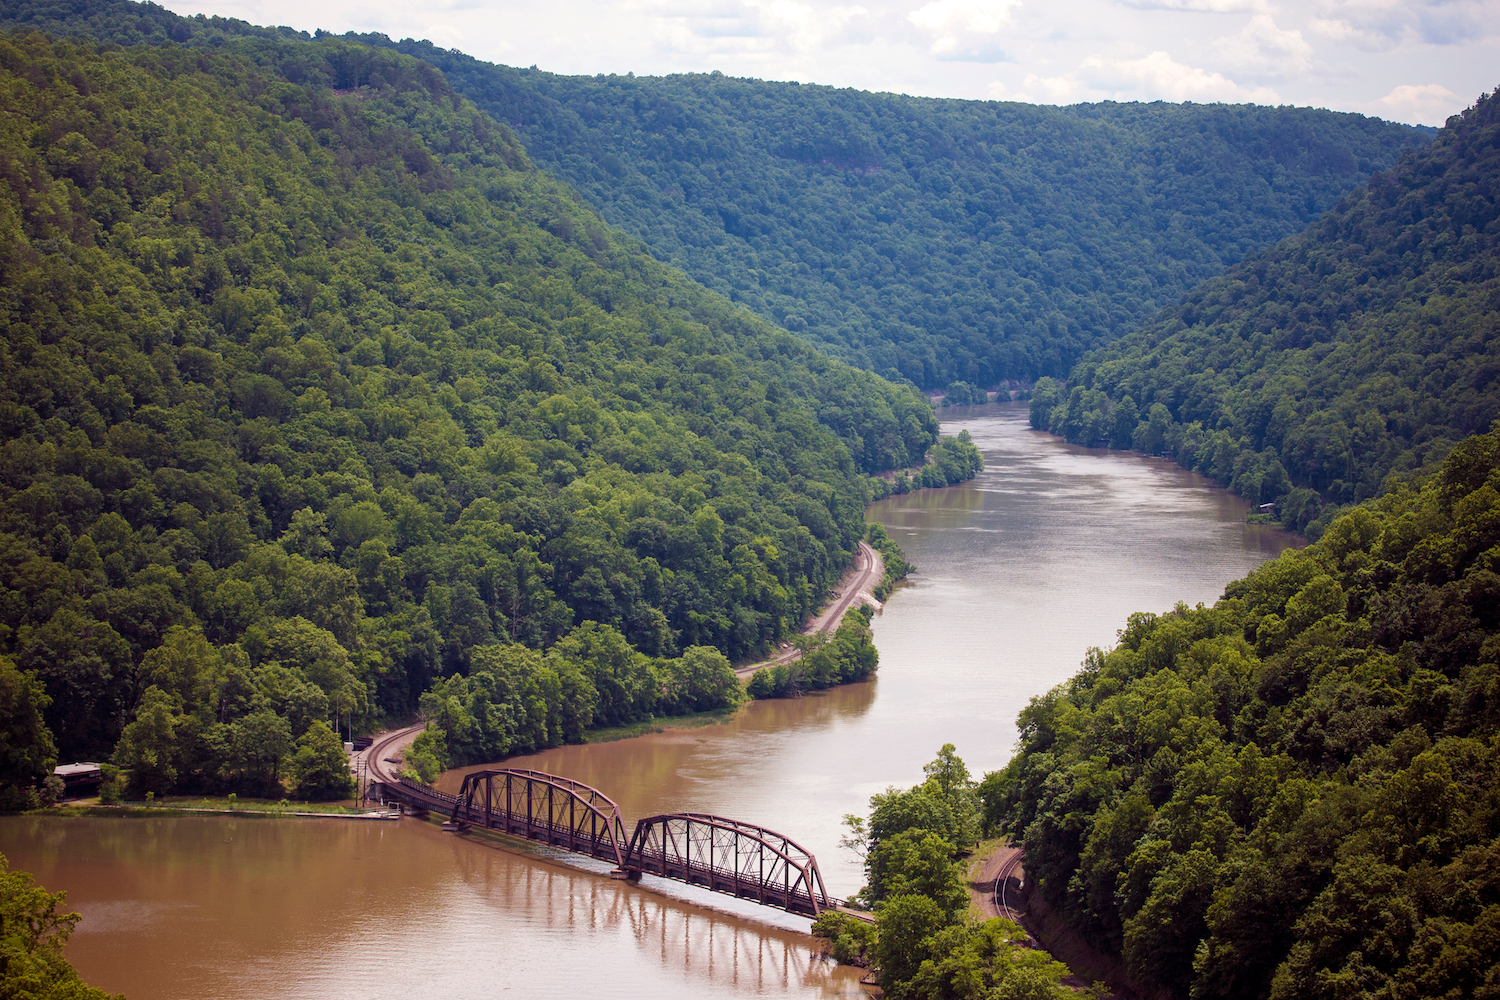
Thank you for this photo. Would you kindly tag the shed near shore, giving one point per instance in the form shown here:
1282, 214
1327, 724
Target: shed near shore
79, 780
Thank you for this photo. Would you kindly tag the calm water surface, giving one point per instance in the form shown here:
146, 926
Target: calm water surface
1020, 571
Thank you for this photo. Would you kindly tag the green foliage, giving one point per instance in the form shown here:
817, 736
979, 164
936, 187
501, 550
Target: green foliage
925, 946
110, 785
896, 566
256, 750
848, 656
986, 961
315, 391
916, 862
952, 460
935, 240
849, 938
964, 394
1295, 792
149, 748
944, 804
427, 757
700, 680
320, 767
27, 754
905, 939
625, 682
32, 936
938, 240
1314, 370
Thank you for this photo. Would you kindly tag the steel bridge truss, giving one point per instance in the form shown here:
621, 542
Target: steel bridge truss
727, 856
556, 811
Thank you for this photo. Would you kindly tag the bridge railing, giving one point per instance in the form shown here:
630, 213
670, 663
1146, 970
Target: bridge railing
545, 807
720, 854
726, 855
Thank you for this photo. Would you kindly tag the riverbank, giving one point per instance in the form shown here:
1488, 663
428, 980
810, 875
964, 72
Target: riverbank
663, 724
252, 809
856, 588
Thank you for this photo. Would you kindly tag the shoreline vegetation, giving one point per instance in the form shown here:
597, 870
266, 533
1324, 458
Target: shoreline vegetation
1329, 726
1323, 370
930, 939
316, 437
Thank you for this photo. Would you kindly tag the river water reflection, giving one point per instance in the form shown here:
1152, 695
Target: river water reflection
1042, 556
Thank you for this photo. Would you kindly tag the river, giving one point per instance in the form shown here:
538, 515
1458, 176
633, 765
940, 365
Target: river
1020, 571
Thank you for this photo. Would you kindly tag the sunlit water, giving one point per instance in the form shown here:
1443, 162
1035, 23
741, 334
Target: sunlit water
1019, 572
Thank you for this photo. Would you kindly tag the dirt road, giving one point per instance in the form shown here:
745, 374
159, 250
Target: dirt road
857, 587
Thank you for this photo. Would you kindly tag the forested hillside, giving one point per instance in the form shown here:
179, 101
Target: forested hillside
1367, 345
1294, 793
313, 390
936, 240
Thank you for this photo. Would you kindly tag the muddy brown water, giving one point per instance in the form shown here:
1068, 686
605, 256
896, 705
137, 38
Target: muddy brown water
1020, 571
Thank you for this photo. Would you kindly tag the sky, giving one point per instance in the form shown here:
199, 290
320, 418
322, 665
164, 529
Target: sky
1415, 61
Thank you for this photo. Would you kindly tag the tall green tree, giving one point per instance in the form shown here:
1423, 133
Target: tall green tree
320, 767
27, 754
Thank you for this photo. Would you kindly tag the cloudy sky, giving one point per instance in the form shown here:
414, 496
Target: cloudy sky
1415, 61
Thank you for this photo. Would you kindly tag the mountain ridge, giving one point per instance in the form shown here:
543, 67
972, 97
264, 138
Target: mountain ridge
930, 240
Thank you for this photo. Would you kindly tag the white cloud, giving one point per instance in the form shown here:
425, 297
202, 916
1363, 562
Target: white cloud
1263, 50
1160, 77
1041, 90
1383, 24
1421, 104
805, 27
950, 22
1339, 31
751, 26
1199, 6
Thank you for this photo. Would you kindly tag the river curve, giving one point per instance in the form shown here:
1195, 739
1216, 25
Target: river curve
1042, 556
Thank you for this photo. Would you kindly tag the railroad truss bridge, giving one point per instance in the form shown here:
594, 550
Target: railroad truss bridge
719, 854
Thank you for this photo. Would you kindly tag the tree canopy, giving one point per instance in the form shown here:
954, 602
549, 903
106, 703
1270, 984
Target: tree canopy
32, 936
315, 391
1310, 372
1295, 792
935, 240
925, 943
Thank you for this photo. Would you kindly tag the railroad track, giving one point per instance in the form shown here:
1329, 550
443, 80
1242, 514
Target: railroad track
1002, 905
384, 746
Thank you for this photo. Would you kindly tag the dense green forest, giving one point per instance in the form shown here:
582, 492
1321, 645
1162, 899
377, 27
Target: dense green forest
926, 943
1306, 375
934, 240
315, 392
1294, 793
